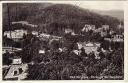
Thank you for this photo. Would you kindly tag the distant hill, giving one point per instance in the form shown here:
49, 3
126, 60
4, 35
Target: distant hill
55, 17
114, 13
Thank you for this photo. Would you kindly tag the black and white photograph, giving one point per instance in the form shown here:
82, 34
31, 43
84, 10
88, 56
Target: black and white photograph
75, 40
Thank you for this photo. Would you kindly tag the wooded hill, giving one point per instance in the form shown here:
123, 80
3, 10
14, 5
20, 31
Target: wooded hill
55, 17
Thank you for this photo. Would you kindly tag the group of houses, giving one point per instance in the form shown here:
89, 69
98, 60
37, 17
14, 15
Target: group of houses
17, 70
18, 34
104, 31
115, 38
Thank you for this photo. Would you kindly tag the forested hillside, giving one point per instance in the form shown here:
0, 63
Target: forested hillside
54, 16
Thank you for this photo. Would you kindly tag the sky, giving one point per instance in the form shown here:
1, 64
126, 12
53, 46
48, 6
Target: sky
97, 5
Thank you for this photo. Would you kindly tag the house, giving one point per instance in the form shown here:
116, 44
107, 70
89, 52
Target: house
88, 27
103, 34
55, 37
69, 31
120, 26
35, 33
77, 52
16, 61
44, 36
17, 72
15, 35
93, 27
98, 30
41, 51
10, 49
24, 23
7, 49
108, 39
118, 38
111, 32
115, 38
88, 46
105, 27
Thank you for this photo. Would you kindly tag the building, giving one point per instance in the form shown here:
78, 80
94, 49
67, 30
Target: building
10, 49
93, 27
105, 27
16, 72
88, 46
118, 38
24, 23
120, 26
103, 34
88, 27
16, 61
111, 32
98, 30
45, 36
69, 31
115, 38
35, 33
108, 39
42, 51
16, 34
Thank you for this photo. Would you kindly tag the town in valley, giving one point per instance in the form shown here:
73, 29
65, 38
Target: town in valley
41, 44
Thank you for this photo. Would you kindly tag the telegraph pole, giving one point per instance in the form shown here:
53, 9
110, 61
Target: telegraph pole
9, 22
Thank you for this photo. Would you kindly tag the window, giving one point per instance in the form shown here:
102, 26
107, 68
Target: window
15, 72
20, 70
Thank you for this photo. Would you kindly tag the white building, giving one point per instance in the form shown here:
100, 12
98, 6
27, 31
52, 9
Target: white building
17, 72
93, 27
10, 49
77, 52
103, 34
24, 23
98, 30
118, 38
105, 27
17, 61
68, 30
16, 34
115, 38
42, 51
35, 33
88, 46
88, 27
111, 32
120, 26
44, 35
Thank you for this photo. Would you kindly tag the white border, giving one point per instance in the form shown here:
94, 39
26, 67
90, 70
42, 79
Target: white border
82, 81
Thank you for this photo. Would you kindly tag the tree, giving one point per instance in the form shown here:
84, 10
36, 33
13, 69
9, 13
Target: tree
30, 47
